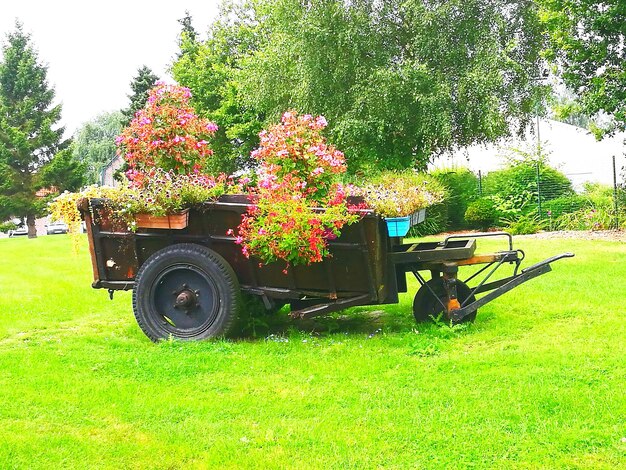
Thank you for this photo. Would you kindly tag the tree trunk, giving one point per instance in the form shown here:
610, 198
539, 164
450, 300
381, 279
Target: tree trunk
30, 223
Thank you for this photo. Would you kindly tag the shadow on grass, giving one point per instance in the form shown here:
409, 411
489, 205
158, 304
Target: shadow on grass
357, 321
353, 321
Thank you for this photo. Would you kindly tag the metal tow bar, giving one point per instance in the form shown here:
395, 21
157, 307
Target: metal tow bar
502, 286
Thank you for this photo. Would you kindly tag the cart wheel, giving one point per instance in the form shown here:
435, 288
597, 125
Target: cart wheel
186, 291
425, 305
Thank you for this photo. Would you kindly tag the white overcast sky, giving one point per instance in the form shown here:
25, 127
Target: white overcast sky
93, 49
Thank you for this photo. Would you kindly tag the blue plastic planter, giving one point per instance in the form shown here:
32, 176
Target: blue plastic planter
398, 226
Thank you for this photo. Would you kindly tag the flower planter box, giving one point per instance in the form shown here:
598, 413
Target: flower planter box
173, 221
399, 226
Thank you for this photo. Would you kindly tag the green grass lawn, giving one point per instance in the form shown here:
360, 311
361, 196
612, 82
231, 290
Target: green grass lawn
538, 381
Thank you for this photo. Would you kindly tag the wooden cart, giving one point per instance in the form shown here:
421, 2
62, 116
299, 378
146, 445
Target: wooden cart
187, 283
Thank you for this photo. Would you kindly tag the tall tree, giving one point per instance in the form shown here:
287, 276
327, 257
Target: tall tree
399, 81
588, 44
188, 32
94, 143
210, 70
64, 172
140, 85
29, 138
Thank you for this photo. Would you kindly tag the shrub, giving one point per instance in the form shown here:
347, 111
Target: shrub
600, 218
563, 205
516, 185
482, 214
436, 221
524, 224
596, 213
461, 190
7, 227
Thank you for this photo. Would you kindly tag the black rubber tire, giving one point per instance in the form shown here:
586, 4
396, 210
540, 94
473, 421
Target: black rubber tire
426, 307
206, 281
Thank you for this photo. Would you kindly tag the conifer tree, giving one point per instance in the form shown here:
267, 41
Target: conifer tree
29, 133
140, 85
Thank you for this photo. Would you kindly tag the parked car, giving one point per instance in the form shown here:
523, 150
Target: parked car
18, 231
56, 227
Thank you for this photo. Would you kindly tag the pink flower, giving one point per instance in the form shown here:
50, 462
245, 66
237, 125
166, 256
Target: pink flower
287, 116
230, 231
321, 122
211, 127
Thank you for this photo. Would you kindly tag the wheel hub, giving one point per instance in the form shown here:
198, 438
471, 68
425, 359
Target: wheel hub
186, 298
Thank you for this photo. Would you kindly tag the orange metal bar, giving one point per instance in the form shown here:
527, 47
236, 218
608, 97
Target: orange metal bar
479, 259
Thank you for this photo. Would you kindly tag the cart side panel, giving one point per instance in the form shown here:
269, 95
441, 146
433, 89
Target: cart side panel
356, 266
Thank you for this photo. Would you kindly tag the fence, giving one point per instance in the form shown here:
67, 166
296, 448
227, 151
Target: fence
536, 193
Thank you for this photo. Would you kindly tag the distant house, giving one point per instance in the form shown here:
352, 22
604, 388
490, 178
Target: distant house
106, 176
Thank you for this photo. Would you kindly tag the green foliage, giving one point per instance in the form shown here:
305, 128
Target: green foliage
596, 211
188, 32
94, 143
566, 108
524, 224
29, 137
461, 190
140, 86
397, 92
515, 188
482, 213
564, 204
64, 172
210, 69
7, 226
587, 45
436, 221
